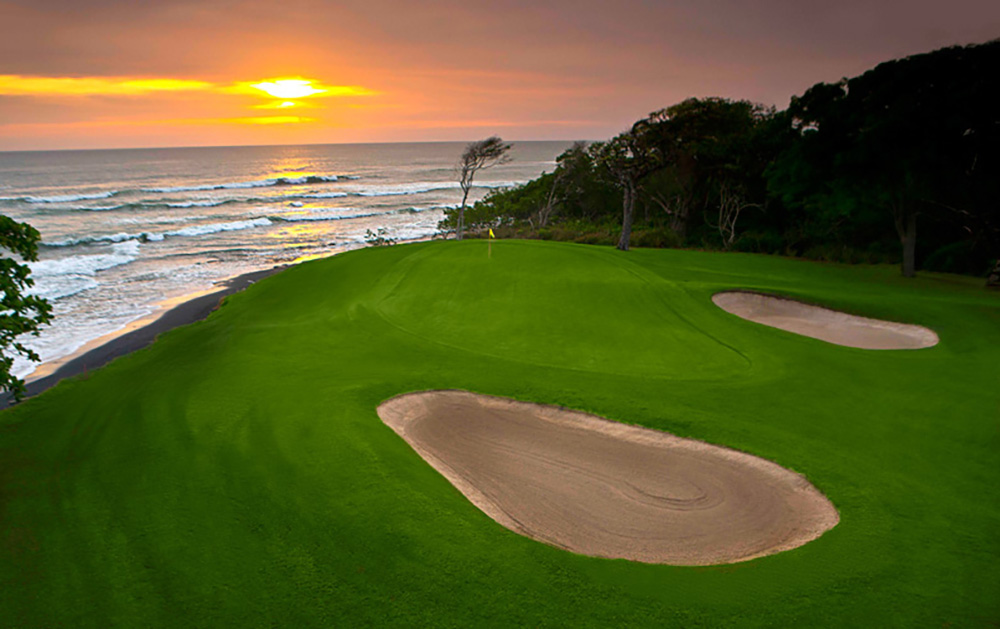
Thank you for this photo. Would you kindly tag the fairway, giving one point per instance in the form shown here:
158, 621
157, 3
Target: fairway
237, 473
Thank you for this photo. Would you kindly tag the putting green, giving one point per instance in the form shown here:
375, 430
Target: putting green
534, 305
236, 472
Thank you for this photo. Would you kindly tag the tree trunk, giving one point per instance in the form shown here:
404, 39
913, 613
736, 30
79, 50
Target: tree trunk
909, 238
546, 211
628, 206
461, 213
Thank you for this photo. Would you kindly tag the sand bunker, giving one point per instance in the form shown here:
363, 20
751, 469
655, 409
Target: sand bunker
827, 325
607, 489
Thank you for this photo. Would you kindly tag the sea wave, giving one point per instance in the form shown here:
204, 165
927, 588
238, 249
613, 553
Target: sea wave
404, 189
208, 203
327, 215
153, 203
194, 230
257, 183
318, 195
214, 228
321, 217
426, 208
64, 198
67, 276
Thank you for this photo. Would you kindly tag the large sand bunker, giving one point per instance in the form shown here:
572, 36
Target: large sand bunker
824, 324
606, 489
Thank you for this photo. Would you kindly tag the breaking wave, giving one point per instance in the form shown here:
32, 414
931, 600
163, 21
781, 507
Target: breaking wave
258, 183
150, 203
64, 198
320, 216
67, 276
194, 230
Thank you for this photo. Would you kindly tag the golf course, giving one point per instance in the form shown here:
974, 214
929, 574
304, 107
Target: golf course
237, 472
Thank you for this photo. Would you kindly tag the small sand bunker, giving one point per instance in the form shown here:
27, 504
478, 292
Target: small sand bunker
824, 324
601, 488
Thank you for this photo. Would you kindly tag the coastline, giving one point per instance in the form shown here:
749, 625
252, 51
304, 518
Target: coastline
104, 350
141, 333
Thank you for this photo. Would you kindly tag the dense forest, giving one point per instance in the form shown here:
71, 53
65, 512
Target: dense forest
900, 165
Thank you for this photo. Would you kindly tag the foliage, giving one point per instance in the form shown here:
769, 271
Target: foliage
625, 161
477, 156
500, 206
912, 137
20, 312
842, 174
716, 151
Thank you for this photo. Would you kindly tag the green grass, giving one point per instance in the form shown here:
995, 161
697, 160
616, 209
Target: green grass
236, 473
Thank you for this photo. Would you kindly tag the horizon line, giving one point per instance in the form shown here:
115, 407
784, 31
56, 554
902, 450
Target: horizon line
230, 146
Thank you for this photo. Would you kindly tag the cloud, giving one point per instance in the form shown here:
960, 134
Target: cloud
18, 85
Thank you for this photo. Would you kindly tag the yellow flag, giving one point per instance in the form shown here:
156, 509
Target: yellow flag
491, 234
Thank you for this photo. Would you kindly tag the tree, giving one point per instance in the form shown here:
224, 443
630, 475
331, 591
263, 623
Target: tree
910, 138
712, 149
477, 156
627, 159
20, 313
569, 163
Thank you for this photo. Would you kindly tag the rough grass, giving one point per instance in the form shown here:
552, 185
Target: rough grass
236, 473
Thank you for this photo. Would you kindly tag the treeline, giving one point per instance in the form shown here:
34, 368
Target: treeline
900, 164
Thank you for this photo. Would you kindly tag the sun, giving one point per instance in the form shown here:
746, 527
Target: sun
288, 88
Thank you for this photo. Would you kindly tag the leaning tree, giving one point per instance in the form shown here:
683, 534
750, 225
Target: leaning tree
477, 156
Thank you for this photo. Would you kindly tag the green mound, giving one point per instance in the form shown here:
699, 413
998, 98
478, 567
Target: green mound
568, 307
236, 473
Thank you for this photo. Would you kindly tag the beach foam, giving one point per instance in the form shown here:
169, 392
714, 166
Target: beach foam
195, 230
67, 198
63, 277
213, 228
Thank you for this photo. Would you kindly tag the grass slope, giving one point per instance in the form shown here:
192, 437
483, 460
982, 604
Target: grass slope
236, 472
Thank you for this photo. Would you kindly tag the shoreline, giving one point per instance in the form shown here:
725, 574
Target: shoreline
126, 341
170, 314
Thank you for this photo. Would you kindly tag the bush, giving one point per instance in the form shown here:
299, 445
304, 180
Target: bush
655, 237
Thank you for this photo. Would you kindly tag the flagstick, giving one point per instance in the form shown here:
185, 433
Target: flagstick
489, 250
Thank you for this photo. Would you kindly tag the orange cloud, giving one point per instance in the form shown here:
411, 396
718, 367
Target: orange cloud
107, 123
296, 87
16, 85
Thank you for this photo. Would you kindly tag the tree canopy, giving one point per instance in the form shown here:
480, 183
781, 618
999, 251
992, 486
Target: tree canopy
846, 173
911, 137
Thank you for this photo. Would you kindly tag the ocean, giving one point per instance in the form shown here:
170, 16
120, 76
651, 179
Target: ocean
127, 232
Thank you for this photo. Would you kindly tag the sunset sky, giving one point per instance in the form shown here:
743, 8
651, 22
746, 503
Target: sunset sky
117, 73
